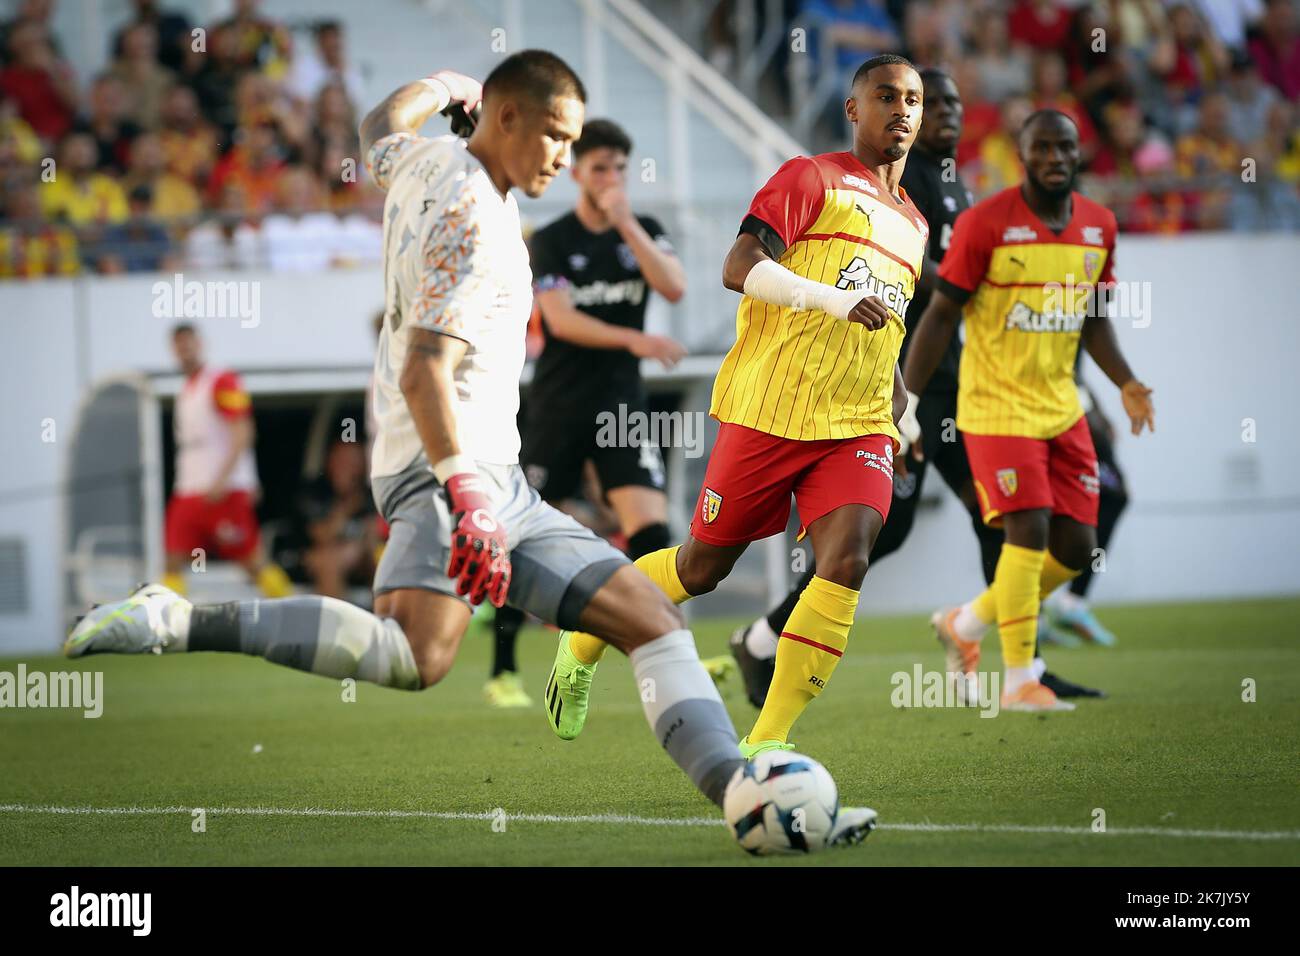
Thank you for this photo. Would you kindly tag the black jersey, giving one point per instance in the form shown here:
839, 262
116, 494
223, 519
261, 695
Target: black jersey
939, 200
604, 281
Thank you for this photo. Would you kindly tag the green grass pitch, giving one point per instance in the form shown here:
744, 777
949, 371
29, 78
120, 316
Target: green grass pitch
1175, 749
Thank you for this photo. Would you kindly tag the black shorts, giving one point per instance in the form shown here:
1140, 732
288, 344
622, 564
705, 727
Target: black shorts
557, 443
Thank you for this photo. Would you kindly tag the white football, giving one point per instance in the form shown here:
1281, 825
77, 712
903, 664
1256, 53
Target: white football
781, 802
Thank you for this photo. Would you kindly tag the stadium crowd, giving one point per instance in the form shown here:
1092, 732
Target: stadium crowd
232, 145
199, 146
1188, 110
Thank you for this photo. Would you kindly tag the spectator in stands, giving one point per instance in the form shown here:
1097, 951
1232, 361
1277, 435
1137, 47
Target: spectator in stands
261, 100
998, 166
255, 163
327, 65
298, 237
172, 197
39, 82
1160, 206
1123, 135
1049, 91
336, 523
1277, 48
227, 241
1038, 24
20, 148
259, 43
1272, 201
107, 122
1211, 156
214, 76
188, 140
140, 244
858, 30
145, 80
39, 12
171, 28
1200, 60
78, 195
1003, 70
1231, 20
334, 118
1252, 100
931, 32
29, 246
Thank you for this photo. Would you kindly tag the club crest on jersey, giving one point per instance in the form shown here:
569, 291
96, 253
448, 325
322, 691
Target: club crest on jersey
711, 505
626, 257
578, 262
857, 275
1091, 262
1007, 481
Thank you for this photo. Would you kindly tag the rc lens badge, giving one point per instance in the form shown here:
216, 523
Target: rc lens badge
1007, 481
711, 506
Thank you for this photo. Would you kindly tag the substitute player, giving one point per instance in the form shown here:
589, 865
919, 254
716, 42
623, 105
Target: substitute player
465, 525
1012, 271
593, 272
935, 187
808, 396
212, 504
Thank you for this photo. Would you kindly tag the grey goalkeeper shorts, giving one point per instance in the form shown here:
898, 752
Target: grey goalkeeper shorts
557, 565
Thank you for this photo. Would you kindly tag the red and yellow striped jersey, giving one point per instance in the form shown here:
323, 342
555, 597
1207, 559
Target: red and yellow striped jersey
801, 373
1026, 291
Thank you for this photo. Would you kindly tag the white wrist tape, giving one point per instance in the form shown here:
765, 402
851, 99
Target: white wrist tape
909, 429
454, 465
772, 282
440, 88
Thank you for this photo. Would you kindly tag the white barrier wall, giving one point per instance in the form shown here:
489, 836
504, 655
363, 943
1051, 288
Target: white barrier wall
1213, 515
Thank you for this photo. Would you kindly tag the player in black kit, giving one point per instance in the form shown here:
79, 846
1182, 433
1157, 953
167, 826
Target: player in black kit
593, 272
933, 185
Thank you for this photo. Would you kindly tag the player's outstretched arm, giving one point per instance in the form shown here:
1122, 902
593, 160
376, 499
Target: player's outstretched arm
930, 340
750, 268
407, 108
566, 321
1102, 344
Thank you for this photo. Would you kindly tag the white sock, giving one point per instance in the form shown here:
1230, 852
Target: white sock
967, 625
1039, 667
1067, 600
177, 616
1017, 677
761, 640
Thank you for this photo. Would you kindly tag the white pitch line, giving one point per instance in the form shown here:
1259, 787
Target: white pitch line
631, 820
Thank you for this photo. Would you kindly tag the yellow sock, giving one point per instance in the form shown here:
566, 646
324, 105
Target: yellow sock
273, 582
985, 607
811, 645
661, 568
1016, 584
174, 580
1054, 575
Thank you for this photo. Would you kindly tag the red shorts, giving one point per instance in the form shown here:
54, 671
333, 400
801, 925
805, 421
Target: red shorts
1018, 474
225, 529
751, 476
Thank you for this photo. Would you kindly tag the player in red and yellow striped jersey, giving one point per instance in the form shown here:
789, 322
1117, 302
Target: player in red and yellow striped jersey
808, 396
1027, 269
